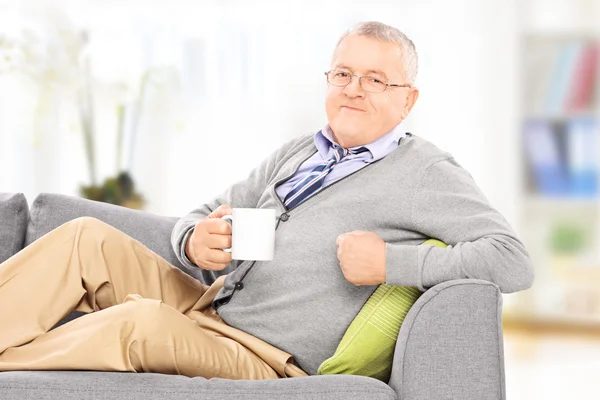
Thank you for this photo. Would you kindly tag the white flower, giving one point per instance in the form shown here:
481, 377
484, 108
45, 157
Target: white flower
42, 44
11, 57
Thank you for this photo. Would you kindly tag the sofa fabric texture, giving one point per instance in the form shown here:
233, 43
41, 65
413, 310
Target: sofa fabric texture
14, 214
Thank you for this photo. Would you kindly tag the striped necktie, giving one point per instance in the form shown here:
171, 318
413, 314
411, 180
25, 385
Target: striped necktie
313, 181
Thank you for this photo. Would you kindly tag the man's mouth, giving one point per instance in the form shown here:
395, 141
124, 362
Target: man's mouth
353, 108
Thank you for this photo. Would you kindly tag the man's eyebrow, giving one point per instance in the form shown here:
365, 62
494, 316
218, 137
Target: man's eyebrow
369, 72
377, 72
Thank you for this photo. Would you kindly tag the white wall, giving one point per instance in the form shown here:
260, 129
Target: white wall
467, 80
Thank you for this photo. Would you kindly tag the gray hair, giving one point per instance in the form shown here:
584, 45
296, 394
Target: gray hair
386, 33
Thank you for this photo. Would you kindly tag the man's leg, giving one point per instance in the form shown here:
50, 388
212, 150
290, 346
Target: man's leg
83, 265
140, 335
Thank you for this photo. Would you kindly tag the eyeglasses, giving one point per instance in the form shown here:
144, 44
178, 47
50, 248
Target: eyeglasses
367, 83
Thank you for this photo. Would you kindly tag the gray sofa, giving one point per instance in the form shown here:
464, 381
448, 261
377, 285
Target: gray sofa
450, 345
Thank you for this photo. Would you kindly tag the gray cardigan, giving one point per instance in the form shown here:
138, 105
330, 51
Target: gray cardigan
300, 301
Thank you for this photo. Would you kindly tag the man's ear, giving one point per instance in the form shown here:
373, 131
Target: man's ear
411, 99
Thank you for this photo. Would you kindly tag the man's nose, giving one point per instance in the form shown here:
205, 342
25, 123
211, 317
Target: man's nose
353, 89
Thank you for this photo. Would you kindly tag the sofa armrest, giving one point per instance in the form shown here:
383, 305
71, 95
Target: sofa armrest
450, 345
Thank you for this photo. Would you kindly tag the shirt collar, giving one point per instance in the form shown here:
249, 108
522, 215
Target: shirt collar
379, 148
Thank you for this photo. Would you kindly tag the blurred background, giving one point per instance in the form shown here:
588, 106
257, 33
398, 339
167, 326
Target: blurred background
160, 105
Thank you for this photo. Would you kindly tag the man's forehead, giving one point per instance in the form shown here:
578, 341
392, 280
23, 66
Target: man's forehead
364, 55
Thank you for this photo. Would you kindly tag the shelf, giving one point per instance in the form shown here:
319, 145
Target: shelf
546, 201
557, 57
560, 34
560, 117
551, 323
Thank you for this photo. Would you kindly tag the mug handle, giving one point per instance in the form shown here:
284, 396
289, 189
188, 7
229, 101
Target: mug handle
227, 218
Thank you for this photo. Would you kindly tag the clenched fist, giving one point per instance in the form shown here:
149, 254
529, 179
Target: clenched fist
362, 257
210, 236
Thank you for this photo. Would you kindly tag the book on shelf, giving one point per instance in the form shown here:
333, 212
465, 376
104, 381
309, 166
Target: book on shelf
582, 160
581, 95
562, 157
544, 160
564, 68
562, 77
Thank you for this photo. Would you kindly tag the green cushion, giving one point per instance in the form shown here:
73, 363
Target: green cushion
367, 347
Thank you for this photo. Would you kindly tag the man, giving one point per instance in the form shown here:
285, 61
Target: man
355, 201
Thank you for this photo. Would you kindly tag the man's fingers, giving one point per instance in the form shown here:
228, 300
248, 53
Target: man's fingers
218, 257
222, 210
217, 241
218, 226
212, 266
344, 236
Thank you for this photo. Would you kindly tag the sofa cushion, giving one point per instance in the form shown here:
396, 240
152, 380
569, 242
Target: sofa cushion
71, 385
14, 214
49, 211
367, 347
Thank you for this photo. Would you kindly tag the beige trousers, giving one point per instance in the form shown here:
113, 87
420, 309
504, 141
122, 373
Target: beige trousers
145, 315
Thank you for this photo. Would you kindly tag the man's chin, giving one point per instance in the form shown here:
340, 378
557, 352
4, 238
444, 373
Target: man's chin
348, 138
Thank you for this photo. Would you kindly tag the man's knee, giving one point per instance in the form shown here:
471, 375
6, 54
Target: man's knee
88, 222
144, 317
86, 226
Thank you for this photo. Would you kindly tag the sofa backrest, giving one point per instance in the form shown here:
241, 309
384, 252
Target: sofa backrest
48, 211
14, 214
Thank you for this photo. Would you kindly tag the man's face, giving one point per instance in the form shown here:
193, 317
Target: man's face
358, 117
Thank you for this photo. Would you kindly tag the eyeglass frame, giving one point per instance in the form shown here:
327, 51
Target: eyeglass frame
387, 85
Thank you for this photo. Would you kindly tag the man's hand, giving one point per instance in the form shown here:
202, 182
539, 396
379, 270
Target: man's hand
362, 257
210, 236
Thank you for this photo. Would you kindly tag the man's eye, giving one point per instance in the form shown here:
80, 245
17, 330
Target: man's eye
341, 74
375, 81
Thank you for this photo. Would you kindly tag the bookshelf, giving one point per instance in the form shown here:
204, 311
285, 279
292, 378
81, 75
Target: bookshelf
559, 213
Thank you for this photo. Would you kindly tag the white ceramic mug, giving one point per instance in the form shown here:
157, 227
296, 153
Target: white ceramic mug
253, 233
